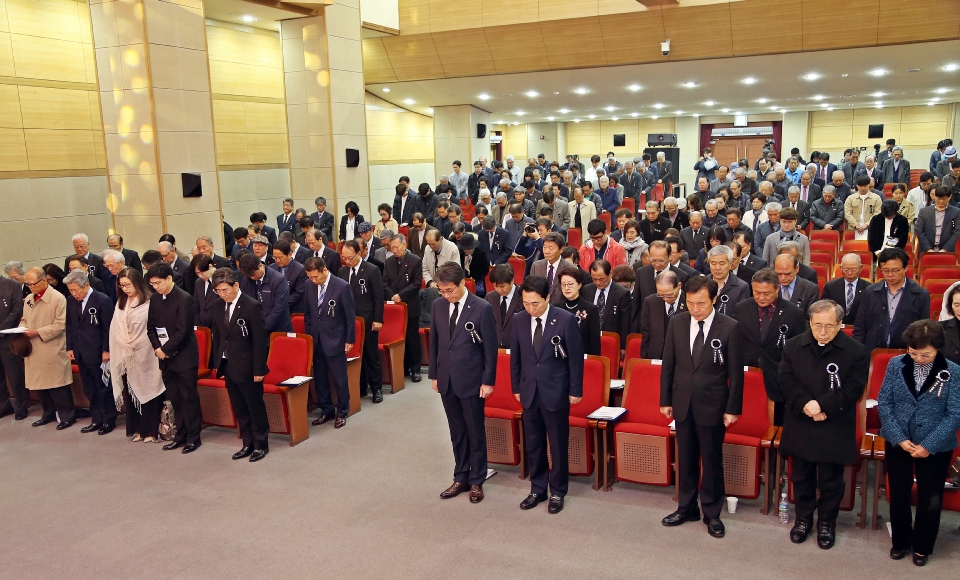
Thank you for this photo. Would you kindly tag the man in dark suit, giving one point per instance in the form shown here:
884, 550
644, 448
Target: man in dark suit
678, 255
764, 323
239, 353
319, 249
293, 272
929, 237
269, 288
888, 307
748, 258
130, 257
802, 207
552, 265
205, 246
847, 289
826, 169
809, 191
305, 225
170, 323
694, 235
493, 241
646, 284
81, 247
367, 286
802, 293
299, 252
896, 169
287, 221
546, 371
403, 275
331, 321
463, 369
80, 263
612, 301
731, 288
658, 309
506, 301
322, 219
204, 295
88, 345
11, 366
417, 240
701, 387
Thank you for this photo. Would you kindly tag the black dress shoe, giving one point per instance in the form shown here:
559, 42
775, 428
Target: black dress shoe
245, 452
677, 518
173, 445
454, 490
555, 504
20, 416
800, 531
258, 455
532, 500
476, 493
106, 429
7, 411
340, 422
378, 395
323, 419
896, 554
190, 447
715, 527
416, 377
65, 425
919, 560
826, 534
91, 428
42, 421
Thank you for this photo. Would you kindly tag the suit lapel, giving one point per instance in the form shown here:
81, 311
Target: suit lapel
549, 331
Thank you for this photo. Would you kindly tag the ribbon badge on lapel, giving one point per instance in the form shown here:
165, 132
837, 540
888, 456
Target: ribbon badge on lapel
363, 285
943, 377
243, 327
834, 371
723, 303
331, 307
93, 317
716, 345
782, 339
408, 276
472, 329
558, 351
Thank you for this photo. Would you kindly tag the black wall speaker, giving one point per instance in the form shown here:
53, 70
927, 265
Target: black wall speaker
353, 157
875, 132
191, 184
481, 130
662, 139
619, 140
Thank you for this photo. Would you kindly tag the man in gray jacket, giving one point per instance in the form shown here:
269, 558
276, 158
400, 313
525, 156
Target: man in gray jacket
938, 226
826, 213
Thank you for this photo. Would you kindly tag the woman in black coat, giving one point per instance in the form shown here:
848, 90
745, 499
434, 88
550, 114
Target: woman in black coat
474, 261
55, 276
588, 317
352, 215
877, 232
951, 326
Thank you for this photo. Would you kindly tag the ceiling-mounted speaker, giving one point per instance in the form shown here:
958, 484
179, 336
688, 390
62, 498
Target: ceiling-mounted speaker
481, 130
353, 157
619, 140
875, 132
191, 185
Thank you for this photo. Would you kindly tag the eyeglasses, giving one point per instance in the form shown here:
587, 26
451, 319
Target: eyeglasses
221, 290
568, 285
31, 284
824, 327
450, 292
667, 296
157, 283
920, 354
126, 286
891, 271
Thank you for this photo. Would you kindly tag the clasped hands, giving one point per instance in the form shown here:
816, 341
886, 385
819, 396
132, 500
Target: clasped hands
812, 410
728, 419
913, 449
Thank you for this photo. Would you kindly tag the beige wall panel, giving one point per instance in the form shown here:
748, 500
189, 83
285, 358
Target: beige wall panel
231, 148
44, 108
376, 63
525, 47
925, 20
494, 12
13, 150
859, 27
874, 116
562, 9
921, 135
224, 78
446, 15
4, 27
619, 7
831, 138
57, 19
228, 116
622, 44
224, 44
515, 142
859, 136
10, 107
265, 118
831, 118
464, 53
260, 81
261, 50
266, 148
44, 58
784, 34
565, 44
7, 68
662, 125
924, 114
413, 57
58, 149
701, 32
99, 149
414, 16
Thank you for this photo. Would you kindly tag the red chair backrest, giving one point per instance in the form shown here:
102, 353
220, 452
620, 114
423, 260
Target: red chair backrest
357, 349
634, 341
848, 235
855, 246
631, 204
830, 236
753, 422
519, 269
658, 192
821, 271
204, 346
822, 258
289, 356
848, 328
502, 396
641, 396
394, 323
605, 218
471, 285
575, 237
298, 324
942, 273
596, 387
405, 230
936, 304
937, 259
610, 348
937, 286
829, 248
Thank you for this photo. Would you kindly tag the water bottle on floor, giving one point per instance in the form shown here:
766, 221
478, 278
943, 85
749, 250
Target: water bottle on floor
784, 509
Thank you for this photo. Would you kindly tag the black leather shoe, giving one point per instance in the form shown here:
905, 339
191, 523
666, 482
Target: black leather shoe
42, 421
172, 446
190, 447
323, 419
7, 411
378, 395
258, 455
919, 560
476, 493
106, 429
454, 490
20, 416
715, 527
416, 377
340, 422
800, 531
896, 554
532, 500
91, 428
826, 534
65, 425
677, 518
244, 452
555, 504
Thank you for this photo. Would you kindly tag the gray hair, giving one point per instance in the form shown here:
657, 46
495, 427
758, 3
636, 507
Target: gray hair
897, 148
226, 276
752, 174
401, 237
692, 215
442, 177
567, 172
829, 189
852, 257
320, 200
740, 171
668, 276
869, 157
483, 192
500, 194
807, 173
77, 277
824, 306
766, 185
504, 184
207, 239
725, 251
836, 173
793, 189
787, 246
709, 201
775, 206
385, 234
510, 158
113, 256
812, 168
166, 246
11, 266
83, 237
652, 204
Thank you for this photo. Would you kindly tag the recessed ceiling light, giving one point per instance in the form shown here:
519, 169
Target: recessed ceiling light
248, 18
679, 112
430, 109
483, 96
829, 108
935, 100
551, 118
824, 105
844, 75
878, 72
951, 67
879, 104
532, 94
519, 113
634, 114
908, 93
724, 110
689, 84
658, 105
386, 89
611, 108
794, 98
763, 101
749, 81
913, 70
515, 123
581, 91
556, 92
930, 104
654, 117
810, 76
709, 103
563, 111
576, 120
592, 116
615, 119
738, 113
847, 96
774, 108
941, 91
818, 97
878, 94
409, 101
635, 87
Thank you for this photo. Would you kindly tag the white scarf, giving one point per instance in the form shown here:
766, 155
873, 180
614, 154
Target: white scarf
132, 356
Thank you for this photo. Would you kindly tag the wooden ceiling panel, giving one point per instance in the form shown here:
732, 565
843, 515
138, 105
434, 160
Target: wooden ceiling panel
925, 20
504, 12
413, 57
620, 6
563, 9
516, 48
569, 47
414, 16
829, 25
376, 63
783, 34
464, 53
623, 45
701, 32
446, 15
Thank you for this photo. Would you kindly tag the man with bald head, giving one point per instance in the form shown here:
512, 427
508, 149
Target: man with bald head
131, 257
113, 263
180, 266
846, 290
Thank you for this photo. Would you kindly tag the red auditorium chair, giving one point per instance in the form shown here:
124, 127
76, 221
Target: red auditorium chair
291, 355
936, 304
215, 406
821, 270
746, 445
575, 237
827, 247
424, 346
583, 450
392, 342
928, 259
610, 348
951, 499
631, 204
852, 245
605, 218
297, 321
938, 286
471, 285
879, 359
657, 193
519, 269
354, 360
940, 273
503, 420
80, 399
830, 236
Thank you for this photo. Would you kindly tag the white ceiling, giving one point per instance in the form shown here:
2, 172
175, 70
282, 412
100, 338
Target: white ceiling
844, 82
247, 13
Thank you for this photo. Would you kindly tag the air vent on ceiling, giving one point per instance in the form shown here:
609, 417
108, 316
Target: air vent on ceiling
741, 131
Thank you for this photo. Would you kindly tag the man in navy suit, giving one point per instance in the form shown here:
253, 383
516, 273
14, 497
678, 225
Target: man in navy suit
367, 287
546, 373
825, 169
269, 288
88, 345
493, 241
331, 320
402, 277
463, 369
323, 220
259, 219
293, 272
287, 221
317, 243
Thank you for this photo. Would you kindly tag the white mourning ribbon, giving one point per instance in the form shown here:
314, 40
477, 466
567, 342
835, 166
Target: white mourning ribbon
943, 377
363, 285
472, 329
834, 371
558, 351
93, 316
723, 303
331, 306
243, 327
716, 345
782, 339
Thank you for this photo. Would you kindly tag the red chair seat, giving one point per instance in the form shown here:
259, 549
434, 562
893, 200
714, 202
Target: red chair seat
495, 413
642, 429
215, 383
746, 440
581, 422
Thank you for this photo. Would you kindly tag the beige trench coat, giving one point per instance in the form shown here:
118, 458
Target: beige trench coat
47, 367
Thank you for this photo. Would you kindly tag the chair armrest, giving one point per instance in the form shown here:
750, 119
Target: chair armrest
517, 415
593, 423
776, 439
384, 345
866, 447
203, 373
879, 448
767, 441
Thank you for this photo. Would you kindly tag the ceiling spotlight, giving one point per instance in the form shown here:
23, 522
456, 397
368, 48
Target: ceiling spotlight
818, 97
878, 94
576, 120
749, 81
611, 108
551, 118
532, 94
941, 91
724, 110
519, 113
930, 104
810, 77
615, 119
248, 18
409, 101
679, 113
658, 105
515, 123
386, 89
935, 100
879, 104
689, 84
763, 101
825, 105
844, 75
483, 96
654, 117
951, 67
635, 87
592, 116
634, 114
563, 111
774, 108
829, 108
739, 113
709, 103
913, 70
581, 91
556, 92
878, 72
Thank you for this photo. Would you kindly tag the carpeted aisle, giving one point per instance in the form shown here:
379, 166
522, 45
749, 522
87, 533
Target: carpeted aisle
362, 502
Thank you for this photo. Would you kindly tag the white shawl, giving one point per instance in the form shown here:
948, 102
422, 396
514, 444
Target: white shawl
132, 355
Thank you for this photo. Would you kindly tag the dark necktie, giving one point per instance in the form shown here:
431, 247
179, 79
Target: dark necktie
453, 318
550, 279
698, 344
537, 337
503, 310
226, 316
850, 295
601, 302
766, 317
672, 311
577, 220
